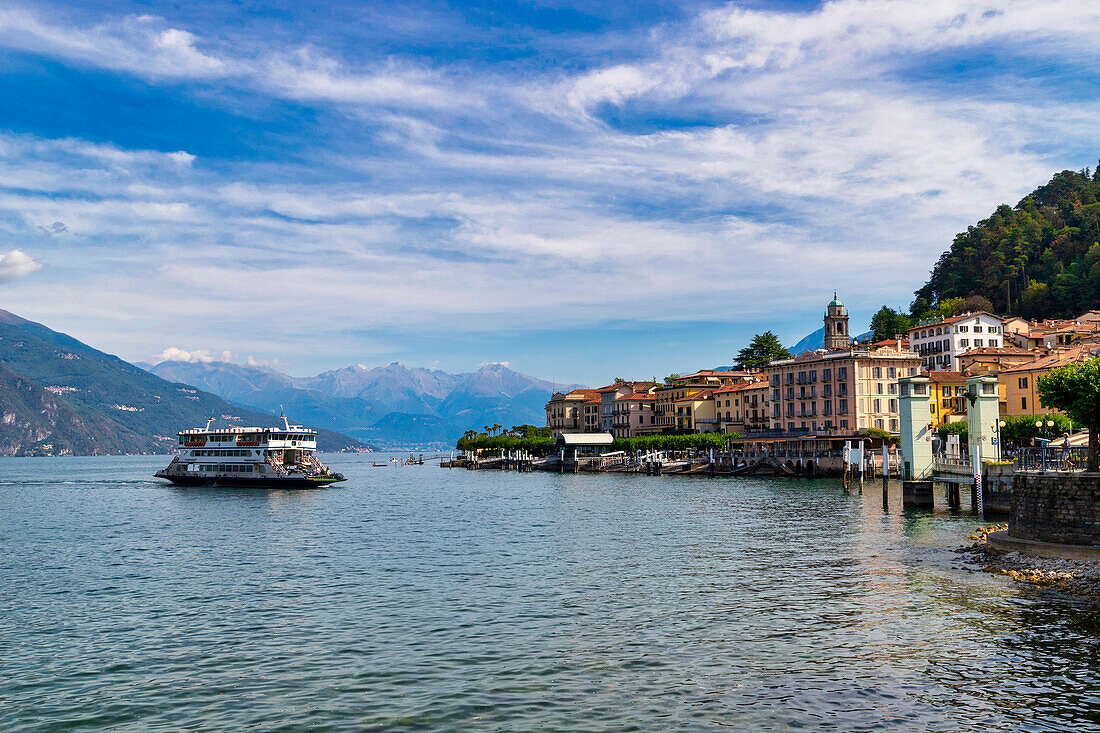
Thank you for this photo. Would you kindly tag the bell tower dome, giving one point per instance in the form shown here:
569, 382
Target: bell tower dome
836, 326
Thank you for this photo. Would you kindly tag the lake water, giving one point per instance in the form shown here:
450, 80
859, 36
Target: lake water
418, 598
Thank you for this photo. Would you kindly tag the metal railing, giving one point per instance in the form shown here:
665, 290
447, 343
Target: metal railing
1075, 458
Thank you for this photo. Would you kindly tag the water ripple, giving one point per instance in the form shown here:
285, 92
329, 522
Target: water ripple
417, 599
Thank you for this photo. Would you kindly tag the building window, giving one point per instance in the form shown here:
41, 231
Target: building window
1023, 403
842, 373
843, 424
879, 424
977, 343
877, 372
893, 405
878, 406
878, 388
1022, 382
964, 343
826, 374
893, 426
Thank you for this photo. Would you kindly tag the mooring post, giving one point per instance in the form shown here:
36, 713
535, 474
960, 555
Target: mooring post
885, 474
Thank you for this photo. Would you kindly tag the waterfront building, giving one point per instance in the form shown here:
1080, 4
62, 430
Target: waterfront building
1020, 383
742, 408
632, 413
612, 392
846, 390
695, 412
591, 412
566, 411
680, 387
940, 343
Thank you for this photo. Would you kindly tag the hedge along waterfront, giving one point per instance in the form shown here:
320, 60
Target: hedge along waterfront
645, 443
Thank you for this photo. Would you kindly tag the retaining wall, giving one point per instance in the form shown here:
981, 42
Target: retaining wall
1056, 507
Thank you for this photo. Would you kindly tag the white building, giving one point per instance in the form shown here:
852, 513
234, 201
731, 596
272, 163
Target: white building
940, 344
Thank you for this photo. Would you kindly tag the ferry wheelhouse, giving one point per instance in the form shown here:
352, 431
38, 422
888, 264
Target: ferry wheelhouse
272, 457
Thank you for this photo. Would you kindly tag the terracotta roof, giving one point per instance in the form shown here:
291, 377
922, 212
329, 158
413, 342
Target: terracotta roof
1052, 361
756, 384
946, 376
953, 319
635, 396
632, 385
716, 373
581, 394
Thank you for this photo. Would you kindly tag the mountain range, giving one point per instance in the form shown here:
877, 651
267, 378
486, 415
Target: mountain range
60, 396
394, 406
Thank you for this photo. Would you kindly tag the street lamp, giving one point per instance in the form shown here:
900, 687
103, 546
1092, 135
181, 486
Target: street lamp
1043, 441
997, 425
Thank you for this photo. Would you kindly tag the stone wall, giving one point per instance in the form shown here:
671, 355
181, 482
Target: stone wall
1056, 507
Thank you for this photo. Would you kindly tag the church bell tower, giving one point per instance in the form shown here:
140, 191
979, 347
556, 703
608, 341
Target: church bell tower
836, 326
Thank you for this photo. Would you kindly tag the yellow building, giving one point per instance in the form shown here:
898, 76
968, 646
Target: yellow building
742, 407
680, 387
695, 412
947, 397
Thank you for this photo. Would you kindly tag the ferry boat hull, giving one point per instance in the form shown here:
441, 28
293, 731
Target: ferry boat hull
252, 482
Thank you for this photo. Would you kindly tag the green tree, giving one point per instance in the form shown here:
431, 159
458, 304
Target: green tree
888, 323
1030, 260
1021, 428
669, 379
954, 428
1075, 389
764, 347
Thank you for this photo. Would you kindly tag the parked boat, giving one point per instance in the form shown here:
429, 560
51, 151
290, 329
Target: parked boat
274, 457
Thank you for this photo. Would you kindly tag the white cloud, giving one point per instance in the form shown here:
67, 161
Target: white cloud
16, 264
174, 353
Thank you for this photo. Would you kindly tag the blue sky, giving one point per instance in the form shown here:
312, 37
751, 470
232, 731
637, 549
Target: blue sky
582, 190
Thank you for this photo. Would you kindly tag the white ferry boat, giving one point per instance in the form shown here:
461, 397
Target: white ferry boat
277, 457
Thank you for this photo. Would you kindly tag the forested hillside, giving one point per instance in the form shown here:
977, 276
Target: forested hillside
1040, 259
58, 396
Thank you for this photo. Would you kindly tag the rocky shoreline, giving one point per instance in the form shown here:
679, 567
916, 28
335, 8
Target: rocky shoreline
1078, 577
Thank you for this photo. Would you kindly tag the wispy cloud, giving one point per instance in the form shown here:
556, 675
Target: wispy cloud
138, 44
722, 159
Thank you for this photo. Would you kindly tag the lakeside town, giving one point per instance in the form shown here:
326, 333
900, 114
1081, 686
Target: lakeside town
848, 389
